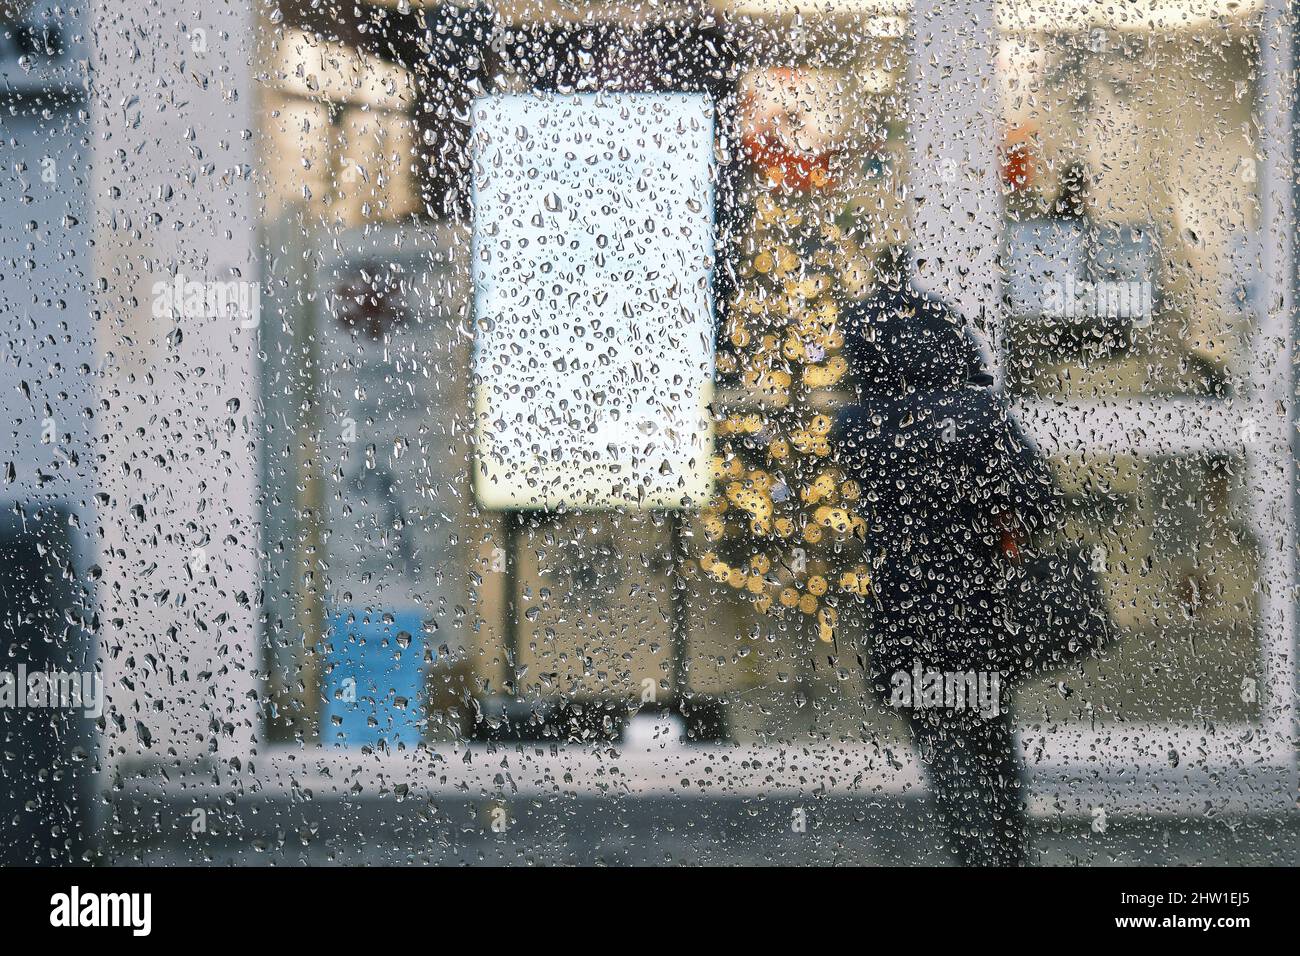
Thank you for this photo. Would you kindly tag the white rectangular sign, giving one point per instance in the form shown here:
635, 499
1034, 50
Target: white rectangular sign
593, 259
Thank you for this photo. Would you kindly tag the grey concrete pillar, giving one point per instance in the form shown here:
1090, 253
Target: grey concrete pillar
172, 92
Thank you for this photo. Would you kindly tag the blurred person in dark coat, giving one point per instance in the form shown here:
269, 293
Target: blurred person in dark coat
950, 489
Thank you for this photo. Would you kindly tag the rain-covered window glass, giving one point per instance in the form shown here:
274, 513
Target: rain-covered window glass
873, 416
1133, 253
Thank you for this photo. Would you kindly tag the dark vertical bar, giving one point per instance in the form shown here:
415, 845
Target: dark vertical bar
510, 628
680, 608
44, 787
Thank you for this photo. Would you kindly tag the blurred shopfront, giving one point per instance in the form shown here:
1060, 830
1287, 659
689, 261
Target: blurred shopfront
1130, 166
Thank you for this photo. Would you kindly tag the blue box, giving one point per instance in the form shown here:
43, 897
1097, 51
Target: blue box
373, 685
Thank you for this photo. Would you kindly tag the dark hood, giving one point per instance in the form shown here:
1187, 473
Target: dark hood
900, 341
